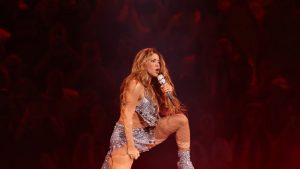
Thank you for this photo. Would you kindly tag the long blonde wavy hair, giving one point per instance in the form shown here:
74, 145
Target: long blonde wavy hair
152, 87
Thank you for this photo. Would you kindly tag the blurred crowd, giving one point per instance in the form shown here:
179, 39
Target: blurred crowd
234, 63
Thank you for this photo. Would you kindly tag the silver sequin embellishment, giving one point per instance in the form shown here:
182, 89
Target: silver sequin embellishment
184, 160
142, 137
148, 111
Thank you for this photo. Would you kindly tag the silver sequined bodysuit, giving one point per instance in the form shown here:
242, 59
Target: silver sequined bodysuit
142, 137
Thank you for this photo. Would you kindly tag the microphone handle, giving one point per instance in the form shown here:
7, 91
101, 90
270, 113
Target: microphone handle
170, 98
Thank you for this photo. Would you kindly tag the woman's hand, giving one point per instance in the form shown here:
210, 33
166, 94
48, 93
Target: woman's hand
165, 88
133, 153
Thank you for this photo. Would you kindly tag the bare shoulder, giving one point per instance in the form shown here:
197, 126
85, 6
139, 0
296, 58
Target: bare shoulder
134, 86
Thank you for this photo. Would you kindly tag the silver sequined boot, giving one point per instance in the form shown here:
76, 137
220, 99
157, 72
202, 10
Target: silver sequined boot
184, 160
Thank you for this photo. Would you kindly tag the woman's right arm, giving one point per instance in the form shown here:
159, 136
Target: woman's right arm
129, 103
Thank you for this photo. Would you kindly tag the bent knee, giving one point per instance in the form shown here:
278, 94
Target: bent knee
182, 119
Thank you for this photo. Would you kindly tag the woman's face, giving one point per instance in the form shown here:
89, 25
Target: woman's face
153, 65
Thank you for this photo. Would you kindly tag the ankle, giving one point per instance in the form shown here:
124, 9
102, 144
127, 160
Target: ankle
183, 149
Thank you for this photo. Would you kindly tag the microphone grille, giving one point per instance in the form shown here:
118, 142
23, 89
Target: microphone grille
161, 79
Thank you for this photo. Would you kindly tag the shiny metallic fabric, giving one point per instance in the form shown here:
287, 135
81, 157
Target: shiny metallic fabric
184, 160
148, 111
142, 137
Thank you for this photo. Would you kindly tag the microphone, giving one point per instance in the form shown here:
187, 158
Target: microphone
161, 80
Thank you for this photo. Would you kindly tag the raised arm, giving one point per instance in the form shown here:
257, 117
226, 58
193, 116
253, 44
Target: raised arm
132, 92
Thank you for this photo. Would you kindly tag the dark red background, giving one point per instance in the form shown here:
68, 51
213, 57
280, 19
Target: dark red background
235, 65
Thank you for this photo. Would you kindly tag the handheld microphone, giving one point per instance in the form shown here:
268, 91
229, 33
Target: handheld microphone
161, 80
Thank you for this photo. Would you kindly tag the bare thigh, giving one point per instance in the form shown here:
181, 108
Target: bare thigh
120, 159
167, 126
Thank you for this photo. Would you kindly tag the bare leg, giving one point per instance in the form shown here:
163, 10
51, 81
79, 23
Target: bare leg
120, 159
176, 123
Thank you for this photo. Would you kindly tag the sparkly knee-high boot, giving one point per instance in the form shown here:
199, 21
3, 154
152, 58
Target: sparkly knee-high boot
184, 160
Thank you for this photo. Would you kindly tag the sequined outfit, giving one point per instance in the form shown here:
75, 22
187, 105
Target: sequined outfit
184, 160
143, 137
